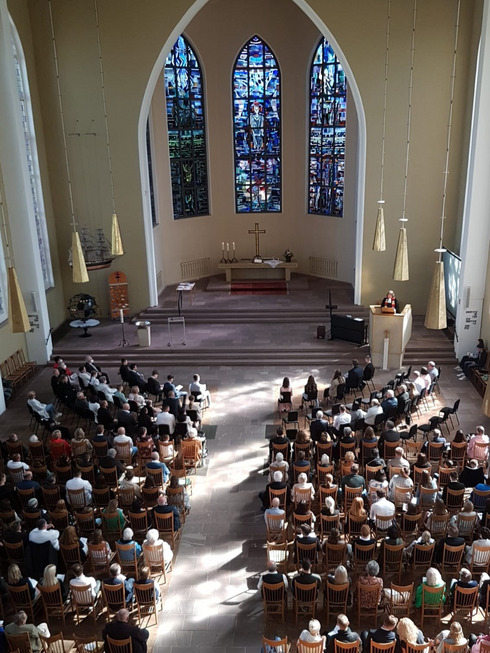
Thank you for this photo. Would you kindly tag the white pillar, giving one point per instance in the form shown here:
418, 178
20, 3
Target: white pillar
13, 161
476, 221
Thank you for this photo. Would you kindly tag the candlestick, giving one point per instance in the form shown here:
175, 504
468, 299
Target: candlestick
223, 246
227, 247
234, 259
223, 260
121, 315
233, 245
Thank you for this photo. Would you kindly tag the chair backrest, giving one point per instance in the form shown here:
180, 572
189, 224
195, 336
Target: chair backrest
435, 451
273, 592
388, 647
458, 452
454, 648
481, 557
327, 522
402, 495
82, 595
71, 554
363, 554
278, 553
466, 524
432, 597
350, 493
126, 496
422, 555
280, 494
308, 551
465, 599
334, 555
101, 496
310, 647
145, 594
138, 521
370, 472
337, 596
51, 596
346, 647
126, 554
410, 523
455, 498
480, 451
114, 596
76, 498
302, 494
389, 450
111, 523
393, 554
20, 643
355, 524
25, 495
119, 645
324, 492
59, 519
279, 645
427, 496
382, 523
324, 447
53, 644
164, 522
400, 599
305, 592
99, 555
444, 479
85, 522
452, 556
21, 597
153, 556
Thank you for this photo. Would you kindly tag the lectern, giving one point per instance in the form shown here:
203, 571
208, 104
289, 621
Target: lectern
389, 335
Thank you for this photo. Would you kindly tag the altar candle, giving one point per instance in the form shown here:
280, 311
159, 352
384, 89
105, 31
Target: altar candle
121, 315
227, 247
223, 246
233, 246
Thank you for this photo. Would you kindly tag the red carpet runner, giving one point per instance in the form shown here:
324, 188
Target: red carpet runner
258, 288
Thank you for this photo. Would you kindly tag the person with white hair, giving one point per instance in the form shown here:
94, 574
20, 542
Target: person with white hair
311, 636
302, 484
155, 463
372, 412
432, 578
399, 460
275, 510
318, 426
279, 464
432, 370
19, 626
418, 381
153, 539
128, 538
277, 483
389, 402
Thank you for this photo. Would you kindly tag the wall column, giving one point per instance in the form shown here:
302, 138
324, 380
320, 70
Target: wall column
13, 161
476, 222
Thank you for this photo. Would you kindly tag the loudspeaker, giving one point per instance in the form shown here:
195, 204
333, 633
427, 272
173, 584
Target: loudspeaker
320, 331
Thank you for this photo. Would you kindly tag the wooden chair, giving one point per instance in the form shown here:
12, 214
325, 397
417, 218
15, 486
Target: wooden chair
393, 559
71, 554
280, 448
427, 497
150, 496
298, 520
410, 524
284, 403
126, 556
31, 519
119, 645
354, 525
370, 472
350, 493
281, 645
157, 476
422, 556
400, 600
301, 494
455, 499
480, 559
82, 599
466, 526
76, 498
53, 603
146, 601
51, 497
443, 478
21, 598
327, 522
334, 555
323, 447
111, 525
123, 452
346, 647
434, 452
465, 602
416, 648
111, 475
402, 495
15, 552
454, 648
114, 598
100, 449
60, 519
308, 551
451, 559
19, 643
85, 644
304, 599
366, 450
53, 644
139, 524
276, 526
274, 598
63, 473
344, 448
324, 492
25, 495
100, 557
438, 525
368, 595
101, 497
389, 450
126, 497
432, 602
458, 453
375, 647
310, 647
164, 523
278, 552
412, 450
281, 495
362, 555
155, 560
85, 523
335, 598
178, 493
382, 523
192, 454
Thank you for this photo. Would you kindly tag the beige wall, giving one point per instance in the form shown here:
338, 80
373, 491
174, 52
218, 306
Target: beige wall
133, 35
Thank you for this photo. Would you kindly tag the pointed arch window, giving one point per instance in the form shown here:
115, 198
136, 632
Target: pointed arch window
328, 105
257, 129
184, 91
32, 159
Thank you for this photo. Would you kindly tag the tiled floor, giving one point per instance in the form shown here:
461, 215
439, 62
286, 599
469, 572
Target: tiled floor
212, 603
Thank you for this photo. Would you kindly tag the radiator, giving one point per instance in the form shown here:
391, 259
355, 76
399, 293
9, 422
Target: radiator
195, 269
322, 267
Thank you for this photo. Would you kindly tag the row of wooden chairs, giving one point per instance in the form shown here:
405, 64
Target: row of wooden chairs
16, 369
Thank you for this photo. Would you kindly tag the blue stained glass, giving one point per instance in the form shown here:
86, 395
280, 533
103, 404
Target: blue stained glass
328, 106
186, 133
257, 129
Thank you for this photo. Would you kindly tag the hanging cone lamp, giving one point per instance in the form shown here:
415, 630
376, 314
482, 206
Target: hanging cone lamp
400, 269
379, 243
116, 240
19, 322
80, 274
435, 317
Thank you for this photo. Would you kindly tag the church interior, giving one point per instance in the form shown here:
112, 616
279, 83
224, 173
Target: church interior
90, 128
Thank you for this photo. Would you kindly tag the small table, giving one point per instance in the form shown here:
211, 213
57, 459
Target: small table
85, 325
258, 270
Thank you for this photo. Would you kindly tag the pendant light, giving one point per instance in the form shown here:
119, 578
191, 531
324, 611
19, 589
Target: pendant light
435, 317
401, 270
79, 270
379, 242
116, 241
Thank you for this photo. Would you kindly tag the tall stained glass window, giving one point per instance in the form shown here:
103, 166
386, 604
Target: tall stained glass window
32, 162
328, 89
257, 129
186, 131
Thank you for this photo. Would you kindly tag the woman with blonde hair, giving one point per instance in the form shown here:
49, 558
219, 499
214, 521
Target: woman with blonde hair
16, 579
454, 636
50, 579
80, 444
135, 396
409, 633
311, 636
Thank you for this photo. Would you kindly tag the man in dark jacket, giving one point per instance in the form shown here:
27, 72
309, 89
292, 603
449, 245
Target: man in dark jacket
343, 634
383, 635
354, 375
119, 628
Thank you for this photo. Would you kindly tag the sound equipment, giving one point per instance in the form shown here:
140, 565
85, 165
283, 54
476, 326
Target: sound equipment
348, 328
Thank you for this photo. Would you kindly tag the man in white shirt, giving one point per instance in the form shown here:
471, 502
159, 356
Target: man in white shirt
382, 507
166, 417
46, 411
78, 483
373, 410
81, 579
342, 418
83, 375
419, 382
16, 464
199, 389
43, 534
479, 438
121, 439
106, 389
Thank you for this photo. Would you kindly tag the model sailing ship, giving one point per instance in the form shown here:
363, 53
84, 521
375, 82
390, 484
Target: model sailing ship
96, 249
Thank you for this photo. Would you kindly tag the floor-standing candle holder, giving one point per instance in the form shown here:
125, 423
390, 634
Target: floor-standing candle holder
124, 342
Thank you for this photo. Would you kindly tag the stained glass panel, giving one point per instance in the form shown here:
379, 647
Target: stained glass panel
186, 131
257, 129
328, 106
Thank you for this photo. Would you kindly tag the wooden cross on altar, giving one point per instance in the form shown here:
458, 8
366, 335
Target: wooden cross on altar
256, 232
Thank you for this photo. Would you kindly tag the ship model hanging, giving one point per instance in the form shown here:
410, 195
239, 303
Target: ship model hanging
96, 250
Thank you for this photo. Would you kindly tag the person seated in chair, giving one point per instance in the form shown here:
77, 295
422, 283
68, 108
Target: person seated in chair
163, 508
383, 635
272, 576
389, 402
169, 386
318, 426
116, 578
154, 387
277, 484
465, 581
305, 576
372, 412
354, 375
341, 633
451, 539
472, 474
199, 389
